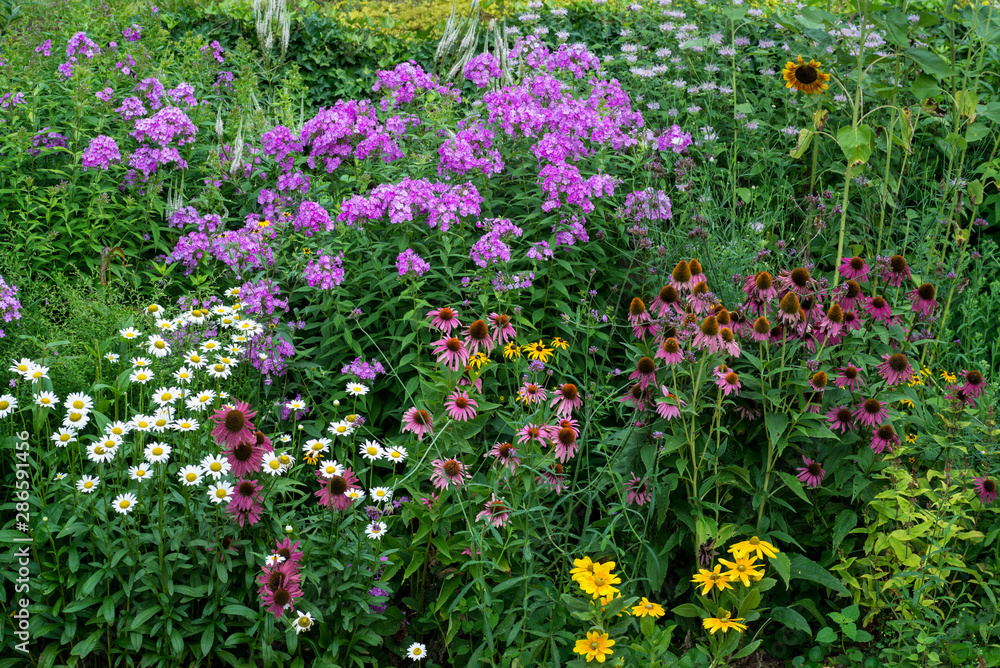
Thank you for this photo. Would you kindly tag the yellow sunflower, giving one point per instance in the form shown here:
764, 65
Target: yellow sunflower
743, 569
599, 582
560, 343
805, 77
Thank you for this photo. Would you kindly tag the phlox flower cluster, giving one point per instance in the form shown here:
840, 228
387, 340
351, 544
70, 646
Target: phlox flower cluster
325, 271
491, 249
675, 139
10, 305
481, 69
572, 58
260, 297
441, 203
168, 125
363, 370
312, 218
409, 262
100, 153
46, 138
470, 148
646, 205
401, 84
350, 129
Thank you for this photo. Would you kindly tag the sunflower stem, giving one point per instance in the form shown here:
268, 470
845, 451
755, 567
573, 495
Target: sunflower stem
843, 225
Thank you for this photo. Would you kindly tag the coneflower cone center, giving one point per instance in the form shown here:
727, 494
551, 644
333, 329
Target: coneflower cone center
898, 362
701, 288
732, 378
695, 266
502, 320
761, 326
453, 344
974, 378
873, 406
461, 402
723, 317
710, 326
897, 263
727, 335
668, 295
505, 450
853, 289
285, 552
844, 414
857, 264
885, 432
644, 366
989, 486
567, 436
800, 277
478, 330
446, 314
671, 346
637, 392
282, 597
682, 272
806, 74
235, 421
260, 437
570, 392
246, 489
835, 314
815, 469
452, 468
926, 291
878, 302
338, 485
819, 379
763, 281
637, 308
559, 469
243, 452
790, 304
850, 373
422, 417
275, 580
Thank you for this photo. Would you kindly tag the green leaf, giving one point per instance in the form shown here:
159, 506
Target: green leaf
776, 423
207, 639
806, 569
86, 646
826, 635
846, 520
931, 63
239, 611
143, 615
791, 619
688, 610
856, 143
805, 138
784, 567
793, 484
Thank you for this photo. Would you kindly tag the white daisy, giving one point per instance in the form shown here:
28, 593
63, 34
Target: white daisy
185, 424
139, 362
235, 351
8, 404
371, 451
46, 399
142, 423
227, 321
271, 464
75, 419
59, 476
199, 401
99, 454
118, 428
140, 472
141, 376
36, 372
341, 428
154, 309
286, 460
228, 361
329, 468
220, 492
241, 338
303, 622
383, 494
357, 389
196, 359
157, 346
197, 316
395, 454
297, 405
88, 484
285, 438
232, 292
112, 357
316, 446
215, 466
250, 327
189, 475
211, 346
273, 560
160, 422
219, 370
375, 530
21, 366
223, 394
125, 503
130, 333
221, 309
355, 494
110, 441
78, 401
158, 452
183, 375
165, 325
166, 395
417, 651
64, 437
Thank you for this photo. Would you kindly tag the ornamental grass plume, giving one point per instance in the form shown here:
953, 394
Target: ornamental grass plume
233, 424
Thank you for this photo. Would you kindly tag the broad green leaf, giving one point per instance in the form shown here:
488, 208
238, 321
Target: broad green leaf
846, 520
856, 143
931, 63
806, 569
790, 618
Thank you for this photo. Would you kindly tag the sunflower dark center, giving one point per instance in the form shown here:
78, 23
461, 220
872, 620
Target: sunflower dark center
247, 488
886, 432
835, 314
974, 378
710, 326
570, 392
727, 335
897, 263
761, 326
478, 331
446, 314
282, 597
815, 469
763, 281
637, 308
452, 468
567, 436
453, 344
338, 485
671, 346
873, 406
819, 379
645, 365
898, 362
668, 295
844, 414
800, 277
926, 291
682, 272
235, 421
790, 304
243, 452
806, 74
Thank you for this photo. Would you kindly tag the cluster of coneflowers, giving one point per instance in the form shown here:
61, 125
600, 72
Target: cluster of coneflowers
686, 323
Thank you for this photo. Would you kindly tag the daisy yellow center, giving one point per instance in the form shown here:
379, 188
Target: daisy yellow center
142, 376
75, 416
125, 503
99, 450
372, 451
341, 429
284, 459
78, 405
274, 464
157, 452
304, 622
190, 477
216, 467
160, 345
140, 472
88, 485
4, 405
219, 368
62, 437
331, 469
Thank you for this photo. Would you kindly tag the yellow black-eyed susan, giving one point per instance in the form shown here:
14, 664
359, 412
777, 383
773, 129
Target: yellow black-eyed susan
805, 77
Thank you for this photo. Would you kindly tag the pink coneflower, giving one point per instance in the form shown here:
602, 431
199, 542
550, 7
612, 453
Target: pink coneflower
850, 378
478, 336
878, 308
761, 330
842, 418
279, 587
701, 298
288, 550
638, 490
813, 308
667, 300
975, 384
680, 277
263, 442
466, 379
244, 458
451, 352
449, 472
729, 342
818, 381
896, 271
503, 331
505, 455
729, 384
923, 299
233, 424
797, 280
495, 512
854, 268
637, 397
670, 352
567, 399
812, 473
444, 320
987, 488
565, 444
708, 335
697, 273
790, 309
884, 437
832, 322
460, 406
669, 409
531, 432
739, 323
749, 412
871, 412
531, 393
813, 401
760, 287
895, 369
244, 505
563, 424
642, 323
418, 421
553, 477
848, 300
852, 322
960, 397
645, 372
333, 491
